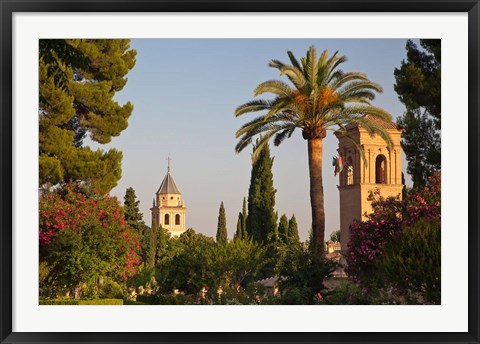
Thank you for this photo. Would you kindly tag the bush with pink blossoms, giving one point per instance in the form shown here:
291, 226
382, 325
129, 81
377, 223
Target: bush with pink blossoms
390, 217
82, 241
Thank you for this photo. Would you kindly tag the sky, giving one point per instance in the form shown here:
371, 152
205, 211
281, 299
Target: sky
184, 93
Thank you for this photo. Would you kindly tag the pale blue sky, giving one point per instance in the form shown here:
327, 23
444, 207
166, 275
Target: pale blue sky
184, 93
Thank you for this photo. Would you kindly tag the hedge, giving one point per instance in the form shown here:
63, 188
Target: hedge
82, 302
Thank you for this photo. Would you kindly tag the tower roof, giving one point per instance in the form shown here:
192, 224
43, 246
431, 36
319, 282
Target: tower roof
168, 185
384, 124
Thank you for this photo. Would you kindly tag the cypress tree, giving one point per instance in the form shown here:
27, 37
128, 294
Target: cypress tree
244, 219
293, 230
132, 213
239, 233
222, 226
161, 242
261, 220
283, 229
152, 245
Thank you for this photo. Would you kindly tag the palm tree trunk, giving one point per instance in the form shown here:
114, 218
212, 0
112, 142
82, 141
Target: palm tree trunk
315, 152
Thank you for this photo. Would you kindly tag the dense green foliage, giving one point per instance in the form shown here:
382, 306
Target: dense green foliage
418, 85
411, 263
221, 235
335, 236
283, 229
396, 252
294, 237
78, 80
321, 97
84, 241
186, 266
242, 232
239, 232
303, 274
82, 302
131, 210
152, 245
262, 220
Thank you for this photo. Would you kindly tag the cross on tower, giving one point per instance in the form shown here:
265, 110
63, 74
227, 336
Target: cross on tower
168, 162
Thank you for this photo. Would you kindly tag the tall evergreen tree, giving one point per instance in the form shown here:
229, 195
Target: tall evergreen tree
418, 85
152, 245
132, 213
293, 230
222, 226
261, 220
78, 79
283, 229
161, 241
239, 233
244, 219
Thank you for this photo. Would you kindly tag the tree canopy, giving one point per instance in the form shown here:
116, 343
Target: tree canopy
222, 226
262, 220
418, 85
78, 80
131, 208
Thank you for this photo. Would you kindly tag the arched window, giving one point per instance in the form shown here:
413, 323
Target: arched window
177, 219
381, 169
349, 171
167, 219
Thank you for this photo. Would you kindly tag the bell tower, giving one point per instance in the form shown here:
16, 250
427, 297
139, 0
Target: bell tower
383, 171
168, 207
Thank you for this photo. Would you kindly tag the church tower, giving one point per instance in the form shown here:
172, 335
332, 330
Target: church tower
383, 171
169, 206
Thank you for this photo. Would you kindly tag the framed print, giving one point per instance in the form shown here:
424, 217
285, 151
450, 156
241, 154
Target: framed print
245, 240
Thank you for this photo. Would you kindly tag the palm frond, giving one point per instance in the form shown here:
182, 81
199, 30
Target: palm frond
273, 86
296, 77
338, 82
252, 106
334, 63
335, 75
359, 148
311, 70
242, 143
293, 60
281, 136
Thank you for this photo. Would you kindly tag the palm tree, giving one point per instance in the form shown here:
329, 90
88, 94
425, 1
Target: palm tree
322, 98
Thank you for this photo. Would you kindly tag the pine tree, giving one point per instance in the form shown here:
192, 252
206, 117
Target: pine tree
222, 226
283, 229
78, 79
132, 215
152, 245
293, 230
261, 220
418, 85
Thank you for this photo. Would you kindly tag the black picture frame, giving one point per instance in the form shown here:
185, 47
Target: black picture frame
9, 7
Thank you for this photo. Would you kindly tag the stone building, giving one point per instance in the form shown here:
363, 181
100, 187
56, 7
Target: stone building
169, 206
383, 171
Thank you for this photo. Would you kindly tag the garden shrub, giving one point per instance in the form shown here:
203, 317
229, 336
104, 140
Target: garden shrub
83, 239
411, 263
387, 224
82, 302
101, 302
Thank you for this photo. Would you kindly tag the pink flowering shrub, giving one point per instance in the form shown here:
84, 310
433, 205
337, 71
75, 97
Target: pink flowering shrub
83, 240
389, 218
